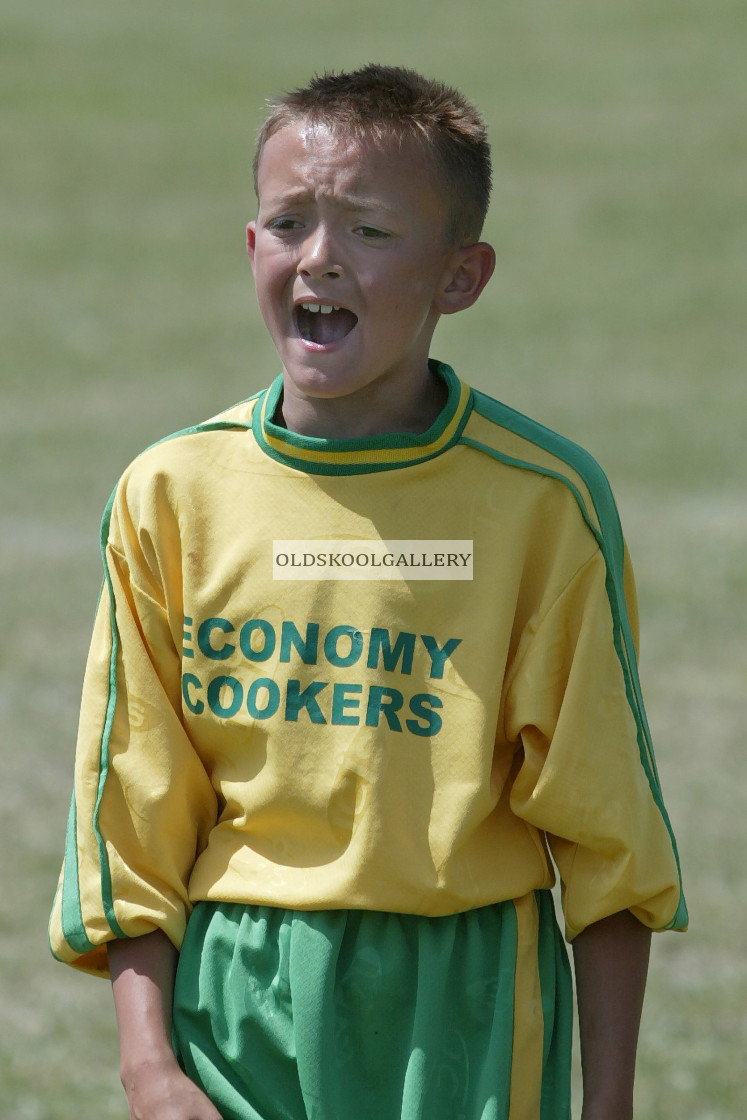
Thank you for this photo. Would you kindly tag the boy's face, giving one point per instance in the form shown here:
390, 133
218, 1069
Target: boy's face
358, 231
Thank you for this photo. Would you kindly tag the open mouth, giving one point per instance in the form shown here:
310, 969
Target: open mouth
323, 324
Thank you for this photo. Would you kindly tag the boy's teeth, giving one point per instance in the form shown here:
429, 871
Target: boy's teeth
316, 323
317, 308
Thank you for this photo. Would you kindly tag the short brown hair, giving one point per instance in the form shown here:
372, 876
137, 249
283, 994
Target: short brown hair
380, 102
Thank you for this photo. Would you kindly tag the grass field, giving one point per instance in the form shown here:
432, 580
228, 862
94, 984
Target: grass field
617, 315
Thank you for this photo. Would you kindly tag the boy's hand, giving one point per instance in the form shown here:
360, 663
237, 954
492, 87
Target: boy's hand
159, 1090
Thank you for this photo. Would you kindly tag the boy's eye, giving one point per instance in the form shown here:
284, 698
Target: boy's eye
284, 225
371, 233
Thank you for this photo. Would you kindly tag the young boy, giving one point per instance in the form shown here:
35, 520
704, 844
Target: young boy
364, 662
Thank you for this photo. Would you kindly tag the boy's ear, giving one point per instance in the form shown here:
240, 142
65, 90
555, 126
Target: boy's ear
251, 235
469, 272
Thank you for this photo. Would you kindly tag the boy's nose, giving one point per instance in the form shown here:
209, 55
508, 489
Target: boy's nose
318, 258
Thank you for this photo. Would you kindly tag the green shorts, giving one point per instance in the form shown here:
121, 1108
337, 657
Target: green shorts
361, 1015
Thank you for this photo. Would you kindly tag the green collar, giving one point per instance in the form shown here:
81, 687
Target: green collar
362, 456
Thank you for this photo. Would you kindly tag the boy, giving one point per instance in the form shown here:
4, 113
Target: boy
348, 789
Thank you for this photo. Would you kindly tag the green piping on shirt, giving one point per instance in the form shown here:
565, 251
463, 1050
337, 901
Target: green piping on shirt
73, 926
106, 879
611, 544
71, 916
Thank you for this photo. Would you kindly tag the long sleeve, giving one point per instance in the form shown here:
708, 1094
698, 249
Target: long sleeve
587, 779
143, 804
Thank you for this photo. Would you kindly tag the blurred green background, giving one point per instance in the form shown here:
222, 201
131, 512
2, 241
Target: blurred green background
617, 314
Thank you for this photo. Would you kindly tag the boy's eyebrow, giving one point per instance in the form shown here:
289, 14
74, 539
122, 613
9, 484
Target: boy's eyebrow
347, 201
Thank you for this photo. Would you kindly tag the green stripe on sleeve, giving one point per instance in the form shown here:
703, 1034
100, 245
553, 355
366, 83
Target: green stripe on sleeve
106, 878
611, 544
73, 927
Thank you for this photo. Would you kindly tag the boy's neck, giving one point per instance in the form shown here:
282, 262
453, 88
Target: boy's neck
368, 412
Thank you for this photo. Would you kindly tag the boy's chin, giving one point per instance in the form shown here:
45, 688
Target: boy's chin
314, 382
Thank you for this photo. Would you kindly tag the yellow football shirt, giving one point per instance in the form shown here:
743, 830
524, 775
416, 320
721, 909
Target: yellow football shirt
416, 743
